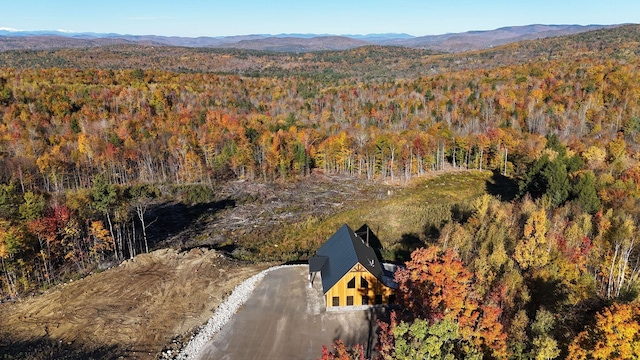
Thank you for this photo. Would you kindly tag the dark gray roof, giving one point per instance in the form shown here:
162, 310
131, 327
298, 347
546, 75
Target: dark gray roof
316, 263
342, 251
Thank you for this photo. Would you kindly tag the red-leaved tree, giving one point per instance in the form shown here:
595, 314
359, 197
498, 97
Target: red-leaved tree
436, 286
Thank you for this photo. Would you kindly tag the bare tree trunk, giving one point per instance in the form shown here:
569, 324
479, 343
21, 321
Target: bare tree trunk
113, 238
131, 240
410, 164
134, 239
120, 240
140, 210
634, 273
21, 178
613, 261
11, 286
622, 267
392, 159
454, 156
504, 172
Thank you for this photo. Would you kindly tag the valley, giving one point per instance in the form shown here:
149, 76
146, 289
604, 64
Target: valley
141, 182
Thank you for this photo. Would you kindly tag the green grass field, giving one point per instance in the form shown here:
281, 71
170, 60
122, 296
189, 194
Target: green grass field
408, 217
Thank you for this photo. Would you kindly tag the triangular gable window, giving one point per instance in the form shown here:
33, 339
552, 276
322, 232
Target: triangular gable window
364, 284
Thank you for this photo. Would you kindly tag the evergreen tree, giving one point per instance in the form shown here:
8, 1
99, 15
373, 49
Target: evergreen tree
9, 201
534, 182
554, 144
555, 175
104, 198
584, 191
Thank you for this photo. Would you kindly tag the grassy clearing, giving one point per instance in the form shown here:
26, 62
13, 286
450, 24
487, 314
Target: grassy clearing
408, 217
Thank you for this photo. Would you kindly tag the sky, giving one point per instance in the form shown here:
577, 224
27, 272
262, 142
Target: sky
192, 18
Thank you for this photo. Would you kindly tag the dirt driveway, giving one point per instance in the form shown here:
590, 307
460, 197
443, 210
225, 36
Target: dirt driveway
285, 319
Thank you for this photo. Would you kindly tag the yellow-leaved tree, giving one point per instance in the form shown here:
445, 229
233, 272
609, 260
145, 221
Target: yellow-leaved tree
101, 239
615, 335
533, 250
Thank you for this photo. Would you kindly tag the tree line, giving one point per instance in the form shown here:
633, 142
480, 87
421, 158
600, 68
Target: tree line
567, 129
62, 127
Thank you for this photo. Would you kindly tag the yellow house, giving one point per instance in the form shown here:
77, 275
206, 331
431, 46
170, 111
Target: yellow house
352, 274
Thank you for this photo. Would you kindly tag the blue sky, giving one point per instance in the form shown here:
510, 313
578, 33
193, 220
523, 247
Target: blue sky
241, 17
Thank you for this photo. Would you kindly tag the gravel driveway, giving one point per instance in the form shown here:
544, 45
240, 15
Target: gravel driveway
285, 319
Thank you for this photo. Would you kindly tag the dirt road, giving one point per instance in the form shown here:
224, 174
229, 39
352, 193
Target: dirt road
285, 319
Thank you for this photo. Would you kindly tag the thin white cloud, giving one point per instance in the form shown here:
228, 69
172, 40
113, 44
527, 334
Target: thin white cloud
9, 29
66, 31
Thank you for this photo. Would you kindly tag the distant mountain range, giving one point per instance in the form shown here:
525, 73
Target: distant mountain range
11, 39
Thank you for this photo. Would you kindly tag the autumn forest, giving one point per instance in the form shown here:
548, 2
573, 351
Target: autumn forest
91, 139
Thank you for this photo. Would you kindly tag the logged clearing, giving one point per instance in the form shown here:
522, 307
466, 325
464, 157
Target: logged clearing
133, 310
153, 303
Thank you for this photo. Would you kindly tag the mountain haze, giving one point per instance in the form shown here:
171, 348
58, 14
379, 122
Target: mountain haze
477, 40
454, 43
295, 44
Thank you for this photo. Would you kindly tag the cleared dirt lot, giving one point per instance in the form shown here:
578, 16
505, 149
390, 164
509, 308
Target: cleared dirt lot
285, 319
137, 309
133, 310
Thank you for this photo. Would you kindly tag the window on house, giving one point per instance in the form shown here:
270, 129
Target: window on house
349, 300
378, 299
335, 301
364, 284
352, 283
365, 300
392, 299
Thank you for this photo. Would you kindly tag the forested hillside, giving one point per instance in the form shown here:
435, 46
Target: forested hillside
89, 138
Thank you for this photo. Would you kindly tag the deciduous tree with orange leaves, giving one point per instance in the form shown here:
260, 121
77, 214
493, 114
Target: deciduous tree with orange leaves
342, 352
436, 286
615, 335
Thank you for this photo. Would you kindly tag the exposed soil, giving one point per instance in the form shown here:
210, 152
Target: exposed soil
153, 303
134, 310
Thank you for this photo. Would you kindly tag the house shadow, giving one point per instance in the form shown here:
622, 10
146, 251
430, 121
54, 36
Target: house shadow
297, 262
503, 187
369, 340
408, 244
